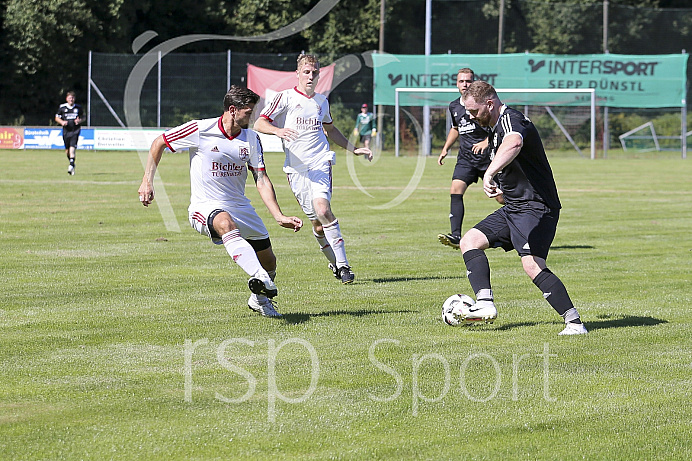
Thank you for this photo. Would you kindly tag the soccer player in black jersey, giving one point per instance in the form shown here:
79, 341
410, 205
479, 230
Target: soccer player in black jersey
69, 116
528, 220
472, 159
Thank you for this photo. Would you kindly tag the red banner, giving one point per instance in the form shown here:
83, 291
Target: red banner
267, 82
11, 137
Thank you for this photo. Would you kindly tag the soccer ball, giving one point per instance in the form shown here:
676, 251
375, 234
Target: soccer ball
453, 306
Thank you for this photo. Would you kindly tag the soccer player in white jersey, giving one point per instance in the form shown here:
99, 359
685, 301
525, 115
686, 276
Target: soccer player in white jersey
301, 118
222, 150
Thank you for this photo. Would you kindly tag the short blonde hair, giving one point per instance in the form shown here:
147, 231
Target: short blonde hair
307, 59
466, 70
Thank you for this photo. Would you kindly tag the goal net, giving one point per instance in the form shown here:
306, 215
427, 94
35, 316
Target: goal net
565, 118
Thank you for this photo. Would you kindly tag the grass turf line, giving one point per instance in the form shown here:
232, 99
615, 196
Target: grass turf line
98, 300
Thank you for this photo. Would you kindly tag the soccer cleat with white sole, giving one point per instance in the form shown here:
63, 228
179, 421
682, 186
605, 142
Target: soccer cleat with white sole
262, 287
482, 311
573, 329
70, 170
263, 305
449, 240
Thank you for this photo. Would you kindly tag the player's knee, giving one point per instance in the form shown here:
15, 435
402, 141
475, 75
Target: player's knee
323, 210
465, 245
473, 239
325, 215
458, 187
532, 266
222, 223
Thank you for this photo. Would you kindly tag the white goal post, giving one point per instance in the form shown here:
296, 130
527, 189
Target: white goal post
590, 92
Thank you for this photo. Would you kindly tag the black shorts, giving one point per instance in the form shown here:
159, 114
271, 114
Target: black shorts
70, 138
365, 137
530, 231
467, 171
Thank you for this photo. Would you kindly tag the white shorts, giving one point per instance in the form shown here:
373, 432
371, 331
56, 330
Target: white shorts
309, 185
249, 223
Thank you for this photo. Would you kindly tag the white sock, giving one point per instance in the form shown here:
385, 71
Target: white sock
257, 298
243, 254
484, 295
325, 247
332, 232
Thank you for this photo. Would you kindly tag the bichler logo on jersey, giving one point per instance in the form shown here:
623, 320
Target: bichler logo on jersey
308, 124
219, 169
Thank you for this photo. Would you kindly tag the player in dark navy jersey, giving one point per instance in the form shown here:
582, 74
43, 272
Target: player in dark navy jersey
527, 223
472, 159
69, 116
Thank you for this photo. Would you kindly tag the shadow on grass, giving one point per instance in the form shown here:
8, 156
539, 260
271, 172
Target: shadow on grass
511, 326
572, 247
627, 321
302, 317
409, 279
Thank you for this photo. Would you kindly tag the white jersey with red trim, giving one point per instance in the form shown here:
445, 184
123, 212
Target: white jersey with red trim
304, 114
218, 161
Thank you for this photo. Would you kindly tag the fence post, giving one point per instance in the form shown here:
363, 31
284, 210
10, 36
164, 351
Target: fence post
228, 70
89, 92
158, 93
683, 133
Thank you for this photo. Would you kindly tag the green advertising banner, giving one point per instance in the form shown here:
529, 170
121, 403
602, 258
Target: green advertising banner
619, 80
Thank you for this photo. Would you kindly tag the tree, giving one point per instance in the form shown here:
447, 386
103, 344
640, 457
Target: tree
44, 44
349, 27
42, 55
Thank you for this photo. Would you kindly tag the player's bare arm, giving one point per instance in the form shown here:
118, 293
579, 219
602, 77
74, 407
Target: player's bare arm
508, 150
265, 126
479, 147
268, 196
340, 140
146, 189
452, 137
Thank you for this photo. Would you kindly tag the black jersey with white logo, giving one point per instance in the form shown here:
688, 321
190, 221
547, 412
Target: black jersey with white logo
65, 112
528, 177
470, 133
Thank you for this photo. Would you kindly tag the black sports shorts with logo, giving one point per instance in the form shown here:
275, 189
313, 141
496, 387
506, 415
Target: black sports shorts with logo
469, 171
530, 229
70, 138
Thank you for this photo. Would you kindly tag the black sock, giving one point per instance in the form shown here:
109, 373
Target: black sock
478, 270
456, 213
72, 161
555, 293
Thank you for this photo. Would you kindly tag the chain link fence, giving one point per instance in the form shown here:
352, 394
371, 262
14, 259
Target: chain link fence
192, 86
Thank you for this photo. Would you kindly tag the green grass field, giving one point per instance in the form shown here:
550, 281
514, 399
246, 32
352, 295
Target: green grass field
122, 339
